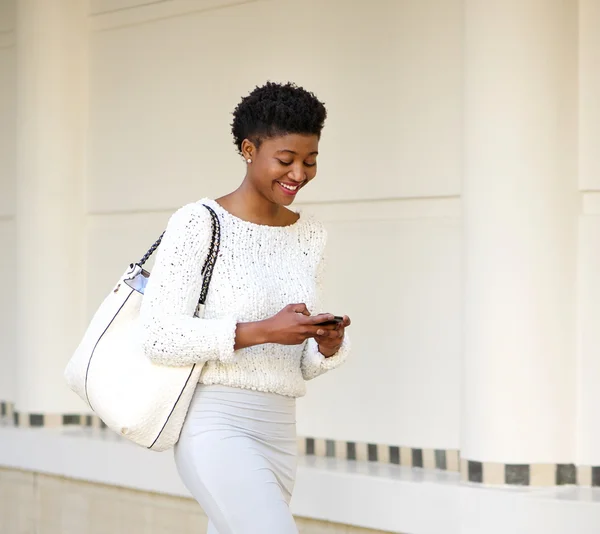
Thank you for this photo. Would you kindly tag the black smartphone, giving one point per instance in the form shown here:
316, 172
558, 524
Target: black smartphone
336, 320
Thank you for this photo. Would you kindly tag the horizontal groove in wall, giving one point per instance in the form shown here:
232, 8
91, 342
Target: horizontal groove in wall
99, 7
157, 11
397, 209
591, 202
372, 210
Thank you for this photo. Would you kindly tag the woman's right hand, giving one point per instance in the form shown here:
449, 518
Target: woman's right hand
294, 324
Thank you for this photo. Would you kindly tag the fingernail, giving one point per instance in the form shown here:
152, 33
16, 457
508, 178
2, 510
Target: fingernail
320, 332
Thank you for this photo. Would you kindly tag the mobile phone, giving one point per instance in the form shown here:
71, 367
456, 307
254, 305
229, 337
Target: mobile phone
336, 320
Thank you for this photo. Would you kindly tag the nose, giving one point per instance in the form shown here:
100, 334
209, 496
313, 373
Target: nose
297, 174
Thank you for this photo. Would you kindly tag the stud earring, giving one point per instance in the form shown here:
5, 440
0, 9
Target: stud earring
249, 160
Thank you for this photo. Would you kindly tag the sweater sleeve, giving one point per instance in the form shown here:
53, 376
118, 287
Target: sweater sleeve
171, 335
313, 363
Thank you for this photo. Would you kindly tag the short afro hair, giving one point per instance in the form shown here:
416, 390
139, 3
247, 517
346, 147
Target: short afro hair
277, 109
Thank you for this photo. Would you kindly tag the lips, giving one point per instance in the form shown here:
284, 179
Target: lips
289, 189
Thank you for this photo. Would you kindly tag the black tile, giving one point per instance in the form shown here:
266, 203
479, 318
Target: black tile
372, 450
417, 457
517, 475
351, 450
36, 419
330, 448
440, 460
71, 419
2, 409
566, 474
88, 420
395, 455
596, 476
310, 446
16, 418
475, 471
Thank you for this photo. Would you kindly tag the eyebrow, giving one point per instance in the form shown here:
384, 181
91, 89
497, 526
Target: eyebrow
295, 153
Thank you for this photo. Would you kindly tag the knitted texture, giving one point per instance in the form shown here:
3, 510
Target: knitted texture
260, 270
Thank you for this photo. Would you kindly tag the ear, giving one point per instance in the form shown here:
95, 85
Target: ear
248, 149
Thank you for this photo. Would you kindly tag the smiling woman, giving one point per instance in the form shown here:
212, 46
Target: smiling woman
263, 333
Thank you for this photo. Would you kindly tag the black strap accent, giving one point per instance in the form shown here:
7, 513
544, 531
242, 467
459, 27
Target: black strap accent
211, 258
151, 250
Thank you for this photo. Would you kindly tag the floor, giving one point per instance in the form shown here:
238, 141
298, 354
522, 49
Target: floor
41, 504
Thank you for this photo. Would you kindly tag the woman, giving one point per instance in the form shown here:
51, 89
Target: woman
260, 336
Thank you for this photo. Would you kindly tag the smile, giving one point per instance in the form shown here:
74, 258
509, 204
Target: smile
289, 189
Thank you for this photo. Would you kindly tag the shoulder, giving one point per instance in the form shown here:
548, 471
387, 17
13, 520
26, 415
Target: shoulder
189, 228
189, 218
314, 232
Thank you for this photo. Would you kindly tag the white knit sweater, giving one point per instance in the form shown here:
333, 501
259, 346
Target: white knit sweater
260, 270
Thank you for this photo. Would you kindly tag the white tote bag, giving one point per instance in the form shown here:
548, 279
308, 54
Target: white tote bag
140, 400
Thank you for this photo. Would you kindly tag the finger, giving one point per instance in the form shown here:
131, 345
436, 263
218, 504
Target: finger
325, 333
321, 318
300, 308
347, 321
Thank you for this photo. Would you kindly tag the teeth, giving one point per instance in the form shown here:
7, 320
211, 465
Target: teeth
289, 187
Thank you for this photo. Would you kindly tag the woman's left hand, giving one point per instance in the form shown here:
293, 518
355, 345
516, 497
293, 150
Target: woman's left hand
330, 341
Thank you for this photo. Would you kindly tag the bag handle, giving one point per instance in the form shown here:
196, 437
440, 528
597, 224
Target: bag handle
211, 259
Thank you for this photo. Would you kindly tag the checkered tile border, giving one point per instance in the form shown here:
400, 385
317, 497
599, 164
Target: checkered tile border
28, 420
529, 474
447, 460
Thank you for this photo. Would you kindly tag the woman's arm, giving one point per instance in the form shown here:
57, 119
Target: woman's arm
291, 326
171, 333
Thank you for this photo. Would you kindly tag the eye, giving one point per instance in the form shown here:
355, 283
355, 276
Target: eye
285, 163
310, 164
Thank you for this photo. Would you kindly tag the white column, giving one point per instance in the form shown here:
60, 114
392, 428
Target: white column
8, 94
520, 211
589, 253
51, 111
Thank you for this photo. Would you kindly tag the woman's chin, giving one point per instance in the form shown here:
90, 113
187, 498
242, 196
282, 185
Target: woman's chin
282, 199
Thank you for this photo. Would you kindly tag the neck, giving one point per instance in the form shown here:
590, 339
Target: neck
247, 203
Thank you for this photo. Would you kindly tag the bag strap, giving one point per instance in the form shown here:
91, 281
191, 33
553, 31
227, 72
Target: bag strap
211, 259
151, 250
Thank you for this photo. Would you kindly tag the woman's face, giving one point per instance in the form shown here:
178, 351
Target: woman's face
282, 165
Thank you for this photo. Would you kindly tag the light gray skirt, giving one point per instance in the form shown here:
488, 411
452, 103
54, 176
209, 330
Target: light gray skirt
237, 456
